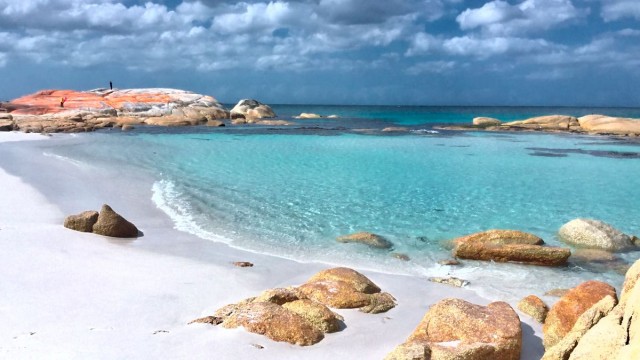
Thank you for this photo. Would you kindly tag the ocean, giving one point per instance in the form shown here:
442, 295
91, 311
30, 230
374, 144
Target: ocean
290, 191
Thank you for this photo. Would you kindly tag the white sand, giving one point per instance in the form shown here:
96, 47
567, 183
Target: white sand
71, 295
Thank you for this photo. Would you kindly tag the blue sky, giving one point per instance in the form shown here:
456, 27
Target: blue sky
417, 52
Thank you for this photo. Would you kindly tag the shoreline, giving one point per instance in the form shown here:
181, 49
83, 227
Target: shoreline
114, 294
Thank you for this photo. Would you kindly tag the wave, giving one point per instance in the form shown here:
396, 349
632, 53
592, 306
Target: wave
168, 199
424, 131
67, 159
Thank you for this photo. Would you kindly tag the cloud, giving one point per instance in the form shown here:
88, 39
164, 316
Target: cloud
501, 18
618, 9
434, 67
422, 43
486, 47
376, 12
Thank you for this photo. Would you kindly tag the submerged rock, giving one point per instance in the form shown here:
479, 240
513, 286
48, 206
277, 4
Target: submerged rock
457, 329
366, 238
594, 234
452, 281
82, 222
110, 223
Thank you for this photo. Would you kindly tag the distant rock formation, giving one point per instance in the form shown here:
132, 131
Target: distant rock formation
99, 108
486, 121
301, 315
589, 124
253, 109
107, 222
308, 116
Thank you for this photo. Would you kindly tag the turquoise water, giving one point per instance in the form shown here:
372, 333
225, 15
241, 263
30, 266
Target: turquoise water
291, 191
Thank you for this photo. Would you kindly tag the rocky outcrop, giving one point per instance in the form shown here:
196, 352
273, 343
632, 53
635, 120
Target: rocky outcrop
275, 322
595, 234
549, 122
251, 109
82, 222
344, 288
308, 116
486, 121
602, 124
457, 329
562, 349
366, 238
534, 307
509, 246
99, 108
110, 223
300, 315
395, 129
107, 222
590, 124
563, 315
6, 122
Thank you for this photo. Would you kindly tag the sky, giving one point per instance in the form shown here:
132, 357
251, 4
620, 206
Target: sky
360, 52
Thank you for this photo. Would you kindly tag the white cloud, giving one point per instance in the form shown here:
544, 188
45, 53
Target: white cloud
490, 13
422, 43
617, 9
629, 32
436, 67
486, 47
501, 18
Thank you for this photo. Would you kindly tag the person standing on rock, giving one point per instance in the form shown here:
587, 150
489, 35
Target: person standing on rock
62, 100
110, 85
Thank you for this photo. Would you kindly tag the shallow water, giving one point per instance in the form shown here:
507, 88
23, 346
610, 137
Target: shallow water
291, 191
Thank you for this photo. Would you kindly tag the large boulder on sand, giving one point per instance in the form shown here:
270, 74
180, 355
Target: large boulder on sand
366, 238
457, 329
275, 322
110, 223
82, 222
509, 246
249, 108
595, 234
534, 307
344, 288
564, 313
300, 315
562, 349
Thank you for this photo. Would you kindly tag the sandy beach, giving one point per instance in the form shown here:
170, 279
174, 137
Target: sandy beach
72, 295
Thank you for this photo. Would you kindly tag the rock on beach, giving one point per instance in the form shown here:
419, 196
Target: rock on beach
301, 315
509, 246
457, 329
